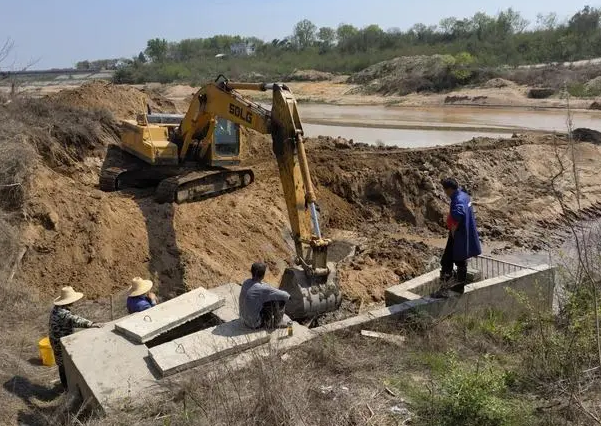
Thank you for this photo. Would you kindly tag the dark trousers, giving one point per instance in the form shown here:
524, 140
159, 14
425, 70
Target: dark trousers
62, 375
446, 263
272, 314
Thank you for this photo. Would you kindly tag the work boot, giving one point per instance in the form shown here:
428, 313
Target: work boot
460, 281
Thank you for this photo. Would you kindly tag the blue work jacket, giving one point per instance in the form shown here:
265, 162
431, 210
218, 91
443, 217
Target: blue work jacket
466, 242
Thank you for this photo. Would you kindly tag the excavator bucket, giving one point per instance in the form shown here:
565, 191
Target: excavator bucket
311, 295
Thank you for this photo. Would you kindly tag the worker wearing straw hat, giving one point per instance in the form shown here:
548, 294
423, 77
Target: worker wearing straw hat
62, 323
140, 297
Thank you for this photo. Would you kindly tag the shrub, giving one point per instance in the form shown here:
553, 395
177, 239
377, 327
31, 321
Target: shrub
470, 395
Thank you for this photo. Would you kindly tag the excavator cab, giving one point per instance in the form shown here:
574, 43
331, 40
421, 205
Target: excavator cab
226, 143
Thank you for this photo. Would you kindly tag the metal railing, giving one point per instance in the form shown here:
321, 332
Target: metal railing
492, 268
488, 267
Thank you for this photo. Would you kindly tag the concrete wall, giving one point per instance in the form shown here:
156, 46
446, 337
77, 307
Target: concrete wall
536, 285
503, 294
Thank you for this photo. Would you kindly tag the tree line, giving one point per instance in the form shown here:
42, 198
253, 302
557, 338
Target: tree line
503, 39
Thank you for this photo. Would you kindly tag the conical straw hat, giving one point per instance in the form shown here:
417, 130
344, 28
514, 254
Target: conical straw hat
139, 287
68, 296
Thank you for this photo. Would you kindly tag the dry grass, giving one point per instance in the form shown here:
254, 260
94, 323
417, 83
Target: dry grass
342, 379
33, 130
332, 381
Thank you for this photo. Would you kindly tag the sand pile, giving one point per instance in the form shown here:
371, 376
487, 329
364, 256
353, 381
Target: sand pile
498, 83
123, 101
309, 75
404, 75
510, 180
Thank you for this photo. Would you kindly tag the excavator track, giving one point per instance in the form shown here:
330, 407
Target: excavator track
123, 170
116, 163
196, 186
109, 179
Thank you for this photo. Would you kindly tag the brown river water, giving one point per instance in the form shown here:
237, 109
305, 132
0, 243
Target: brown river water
431, 126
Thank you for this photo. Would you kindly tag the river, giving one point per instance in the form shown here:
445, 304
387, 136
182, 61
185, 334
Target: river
431, 126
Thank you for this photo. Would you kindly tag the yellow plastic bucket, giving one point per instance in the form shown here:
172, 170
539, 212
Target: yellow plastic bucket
46, 353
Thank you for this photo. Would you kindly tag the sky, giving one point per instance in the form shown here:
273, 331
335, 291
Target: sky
58, 33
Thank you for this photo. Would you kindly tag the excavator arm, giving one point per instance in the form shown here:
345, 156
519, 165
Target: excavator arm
311, 282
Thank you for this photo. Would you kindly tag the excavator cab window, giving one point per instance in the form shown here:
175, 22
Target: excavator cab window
226, 138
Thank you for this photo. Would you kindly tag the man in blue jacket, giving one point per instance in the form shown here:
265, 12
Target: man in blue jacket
463, 242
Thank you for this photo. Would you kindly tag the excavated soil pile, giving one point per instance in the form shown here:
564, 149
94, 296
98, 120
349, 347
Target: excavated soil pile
38, 137
388, 200
514, 184
123, 101
309, 75
159, 103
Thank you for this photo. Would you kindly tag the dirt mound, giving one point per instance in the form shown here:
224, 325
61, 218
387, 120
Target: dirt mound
178, 91
121, 100
593, 87
309, 75
407, 74
60, 137
160, 103
582, 134
511, 187
541, 92
39, 135
383, 262
498, 83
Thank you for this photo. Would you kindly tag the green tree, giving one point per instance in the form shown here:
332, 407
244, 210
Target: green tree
156, 49
372, 37
585, 21
345, 34
546, 22
327, 37
447, 25
511, 22
305, 34
83, 65
141, 58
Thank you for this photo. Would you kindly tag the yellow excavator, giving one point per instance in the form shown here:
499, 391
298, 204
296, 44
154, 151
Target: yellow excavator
196, 156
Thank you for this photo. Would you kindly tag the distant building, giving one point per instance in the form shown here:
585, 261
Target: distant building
243, 49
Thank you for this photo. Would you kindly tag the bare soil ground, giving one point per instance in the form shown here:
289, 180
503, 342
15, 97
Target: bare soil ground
387, 201
75, 233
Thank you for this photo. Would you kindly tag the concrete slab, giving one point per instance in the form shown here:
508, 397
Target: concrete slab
105, 367
230, 293
206, 345
146, 325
